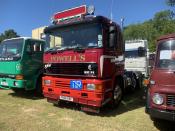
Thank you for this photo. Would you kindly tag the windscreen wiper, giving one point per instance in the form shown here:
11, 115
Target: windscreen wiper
79, 49
54, 50
51, 50
76, 48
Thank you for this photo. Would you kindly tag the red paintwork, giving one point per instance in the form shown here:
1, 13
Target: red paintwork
163, 90
90, 56
165, 85
71, 12
164, 80
165, 37
106, 78
93, 98
163, 77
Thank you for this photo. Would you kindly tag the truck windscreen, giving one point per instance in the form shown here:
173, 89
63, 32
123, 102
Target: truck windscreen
81, 35
11, 50
166, 55
131, 53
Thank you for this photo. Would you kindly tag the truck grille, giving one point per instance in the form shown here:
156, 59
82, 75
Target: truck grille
71, 69
171, 100
62, 84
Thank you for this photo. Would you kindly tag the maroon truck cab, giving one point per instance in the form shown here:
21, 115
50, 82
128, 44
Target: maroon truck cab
161, 88
85, 65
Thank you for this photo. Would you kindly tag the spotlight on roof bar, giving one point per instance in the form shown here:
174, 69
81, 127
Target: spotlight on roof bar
91, 10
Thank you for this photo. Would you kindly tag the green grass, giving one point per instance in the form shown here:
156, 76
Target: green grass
24, 112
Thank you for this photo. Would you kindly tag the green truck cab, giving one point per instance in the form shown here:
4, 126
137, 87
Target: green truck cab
21, 64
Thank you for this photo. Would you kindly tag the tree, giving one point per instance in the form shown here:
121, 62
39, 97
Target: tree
8, 34
162, 23
164, 15
170, 2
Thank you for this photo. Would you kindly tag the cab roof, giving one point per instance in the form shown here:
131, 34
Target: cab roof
25, 38
92, 19
168, 36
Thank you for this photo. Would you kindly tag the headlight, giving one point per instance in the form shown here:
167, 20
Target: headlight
157, 99
90, 86
47, 82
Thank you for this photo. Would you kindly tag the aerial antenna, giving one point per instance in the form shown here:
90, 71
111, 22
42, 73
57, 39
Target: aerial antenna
122, 23
111, 15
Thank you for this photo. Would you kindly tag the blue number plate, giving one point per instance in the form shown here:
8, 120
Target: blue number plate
76, 84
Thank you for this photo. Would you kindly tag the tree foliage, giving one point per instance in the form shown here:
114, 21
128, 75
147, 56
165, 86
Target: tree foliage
162, 23
8, 34
170, 2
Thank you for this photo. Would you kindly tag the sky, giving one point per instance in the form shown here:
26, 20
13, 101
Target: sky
25, 15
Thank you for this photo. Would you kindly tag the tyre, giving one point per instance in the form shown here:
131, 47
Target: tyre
117, 95
134, 83
139, 82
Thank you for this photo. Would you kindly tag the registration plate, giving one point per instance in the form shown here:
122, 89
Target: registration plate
4, 83
66, 98
76, 84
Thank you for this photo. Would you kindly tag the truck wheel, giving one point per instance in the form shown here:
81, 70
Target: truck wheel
139, 82
134, 83
117, 95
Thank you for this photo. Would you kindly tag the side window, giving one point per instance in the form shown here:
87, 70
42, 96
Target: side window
28, 48
112, 37
36, 46
114, 43
111, 44
121, 45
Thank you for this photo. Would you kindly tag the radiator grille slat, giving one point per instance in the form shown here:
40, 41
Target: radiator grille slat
71, 69
170, 100
61, 84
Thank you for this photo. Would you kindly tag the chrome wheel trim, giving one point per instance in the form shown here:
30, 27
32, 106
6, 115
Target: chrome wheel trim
117, 94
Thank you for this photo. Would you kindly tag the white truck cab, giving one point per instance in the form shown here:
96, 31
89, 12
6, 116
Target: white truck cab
136, 56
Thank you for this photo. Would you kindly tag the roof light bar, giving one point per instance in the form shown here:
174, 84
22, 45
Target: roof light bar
72, 13
66, 14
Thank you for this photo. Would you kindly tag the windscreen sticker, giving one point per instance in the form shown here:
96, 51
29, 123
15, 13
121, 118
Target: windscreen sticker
99, 43
100, 37
99, 40
165, 54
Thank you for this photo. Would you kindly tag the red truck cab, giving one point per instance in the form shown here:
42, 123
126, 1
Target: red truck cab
86, 65
161, 88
